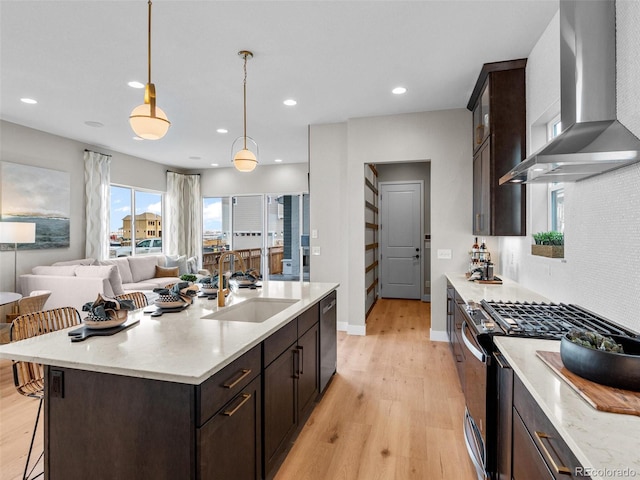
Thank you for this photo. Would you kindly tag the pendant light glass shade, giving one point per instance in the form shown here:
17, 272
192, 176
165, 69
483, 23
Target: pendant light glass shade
147, 126
147, 120
245, 160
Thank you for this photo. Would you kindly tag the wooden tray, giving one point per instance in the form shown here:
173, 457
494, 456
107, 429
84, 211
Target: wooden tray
600, 397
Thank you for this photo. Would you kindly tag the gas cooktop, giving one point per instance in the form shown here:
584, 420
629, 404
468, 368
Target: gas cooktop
547, 320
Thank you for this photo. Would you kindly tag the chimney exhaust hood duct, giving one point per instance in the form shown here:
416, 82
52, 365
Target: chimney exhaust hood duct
593, 141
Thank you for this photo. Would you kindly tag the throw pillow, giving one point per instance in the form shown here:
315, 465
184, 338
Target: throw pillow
166, 272
110, 272
62, 270
192, 265
123, 268
82, 261
143, 267
180, 262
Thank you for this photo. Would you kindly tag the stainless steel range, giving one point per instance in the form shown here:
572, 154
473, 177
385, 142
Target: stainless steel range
481, 366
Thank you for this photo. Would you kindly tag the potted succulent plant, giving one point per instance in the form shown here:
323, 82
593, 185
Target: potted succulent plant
548, 244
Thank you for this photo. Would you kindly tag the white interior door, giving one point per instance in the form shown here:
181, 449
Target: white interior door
400, 239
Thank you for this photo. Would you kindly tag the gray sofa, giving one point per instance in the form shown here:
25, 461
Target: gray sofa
77, 282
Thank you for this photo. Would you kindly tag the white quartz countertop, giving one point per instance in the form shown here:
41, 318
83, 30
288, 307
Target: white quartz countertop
607, 444
509, 291
179, 347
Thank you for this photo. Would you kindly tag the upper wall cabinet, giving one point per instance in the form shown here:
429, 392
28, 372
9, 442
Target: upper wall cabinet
499, 144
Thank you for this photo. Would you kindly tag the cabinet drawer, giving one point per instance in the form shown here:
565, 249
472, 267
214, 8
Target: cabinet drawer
559, 458
280, 341
224, 385
527, 461
308, 319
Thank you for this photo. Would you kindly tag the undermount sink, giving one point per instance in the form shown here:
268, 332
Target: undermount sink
254, 310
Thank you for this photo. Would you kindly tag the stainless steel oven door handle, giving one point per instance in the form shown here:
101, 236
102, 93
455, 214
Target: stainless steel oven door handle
473, 449
474, 351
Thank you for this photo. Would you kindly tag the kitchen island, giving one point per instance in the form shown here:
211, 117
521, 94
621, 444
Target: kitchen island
180, 395
606, 444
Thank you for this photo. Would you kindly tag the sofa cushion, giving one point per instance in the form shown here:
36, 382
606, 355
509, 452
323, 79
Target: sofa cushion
166, 271
123, 268
110, 272
142, 267
82, 261
178, 261
61, 270
150, 284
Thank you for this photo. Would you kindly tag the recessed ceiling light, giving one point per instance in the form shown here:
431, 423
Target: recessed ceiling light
278, 160
214, 164
222, 130
135, 84
137, 138
93, 124
399, 90
290, 102
30, 101
538, 169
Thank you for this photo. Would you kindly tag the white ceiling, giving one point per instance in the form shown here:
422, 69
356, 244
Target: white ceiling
338, 59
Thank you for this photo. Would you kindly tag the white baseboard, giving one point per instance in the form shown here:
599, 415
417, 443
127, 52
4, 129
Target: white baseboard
342, 326
438, 335
357, 330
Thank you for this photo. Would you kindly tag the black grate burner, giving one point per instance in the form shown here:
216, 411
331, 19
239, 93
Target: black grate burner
547, 320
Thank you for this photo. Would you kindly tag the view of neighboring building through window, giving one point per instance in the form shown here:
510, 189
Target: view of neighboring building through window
136, 219
556, 190
216, 224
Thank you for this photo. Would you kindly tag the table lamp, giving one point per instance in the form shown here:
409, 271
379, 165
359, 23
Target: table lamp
17, 232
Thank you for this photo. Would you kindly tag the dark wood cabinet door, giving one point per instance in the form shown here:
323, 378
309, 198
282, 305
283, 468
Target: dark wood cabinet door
481, 191
527, 463
308, 378
280, 407
229, 444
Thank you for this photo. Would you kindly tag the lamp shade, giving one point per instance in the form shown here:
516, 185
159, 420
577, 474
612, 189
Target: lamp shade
17, 232
245, 160
146, 126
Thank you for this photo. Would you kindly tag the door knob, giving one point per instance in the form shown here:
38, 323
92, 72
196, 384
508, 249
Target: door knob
417, 256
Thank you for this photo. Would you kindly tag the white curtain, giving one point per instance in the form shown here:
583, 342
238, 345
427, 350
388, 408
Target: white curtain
183, 227
97, 176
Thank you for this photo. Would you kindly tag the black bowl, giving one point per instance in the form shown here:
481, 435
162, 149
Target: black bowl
618, 370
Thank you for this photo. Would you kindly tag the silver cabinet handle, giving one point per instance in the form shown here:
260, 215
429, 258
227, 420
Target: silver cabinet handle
474, 351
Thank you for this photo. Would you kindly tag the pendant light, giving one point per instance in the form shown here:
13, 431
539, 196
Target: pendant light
245, 160
147, 120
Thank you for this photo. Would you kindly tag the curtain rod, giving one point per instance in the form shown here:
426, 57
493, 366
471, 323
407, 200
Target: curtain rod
105, 154
178, 173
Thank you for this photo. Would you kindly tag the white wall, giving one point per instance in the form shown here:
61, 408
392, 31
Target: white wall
602, 215
285, 178
340, 151
32, 147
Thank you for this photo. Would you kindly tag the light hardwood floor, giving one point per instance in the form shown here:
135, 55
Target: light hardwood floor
393, 411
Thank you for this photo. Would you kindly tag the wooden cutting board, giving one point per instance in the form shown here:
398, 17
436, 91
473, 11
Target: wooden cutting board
600, 397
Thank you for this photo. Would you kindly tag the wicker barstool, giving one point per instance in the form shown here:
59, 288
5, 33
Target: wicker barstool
139, 299
28, 377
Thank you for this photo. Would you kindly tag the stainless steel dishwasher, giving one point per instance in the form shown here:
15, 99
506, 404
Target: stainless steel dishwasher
328, 339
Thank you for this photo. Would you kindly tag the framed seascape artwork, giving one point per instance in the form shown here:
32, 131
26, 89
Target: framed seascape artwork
36, 195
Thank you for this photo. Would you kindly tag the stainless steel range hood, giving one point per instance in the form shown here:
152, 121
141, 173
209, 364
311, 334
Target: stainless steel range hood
593, 141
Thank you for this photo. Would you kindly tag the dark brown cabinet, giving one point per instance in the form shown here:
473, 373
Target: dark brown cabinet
291, 385
229, 444
538, 450
454, 330
499, 143
238, 423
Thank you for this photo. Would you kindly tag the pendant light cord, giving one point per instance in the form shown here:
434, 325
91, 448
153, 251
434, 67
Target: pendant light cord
245, 101
149, 45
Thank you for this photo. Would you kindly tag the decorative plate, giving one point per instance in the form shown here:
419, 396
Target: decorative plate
169, 304
95, 325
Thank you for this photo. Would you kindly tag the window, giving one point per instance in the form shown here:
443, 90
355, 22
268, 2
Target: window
263, 228
556, 190
138, 229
